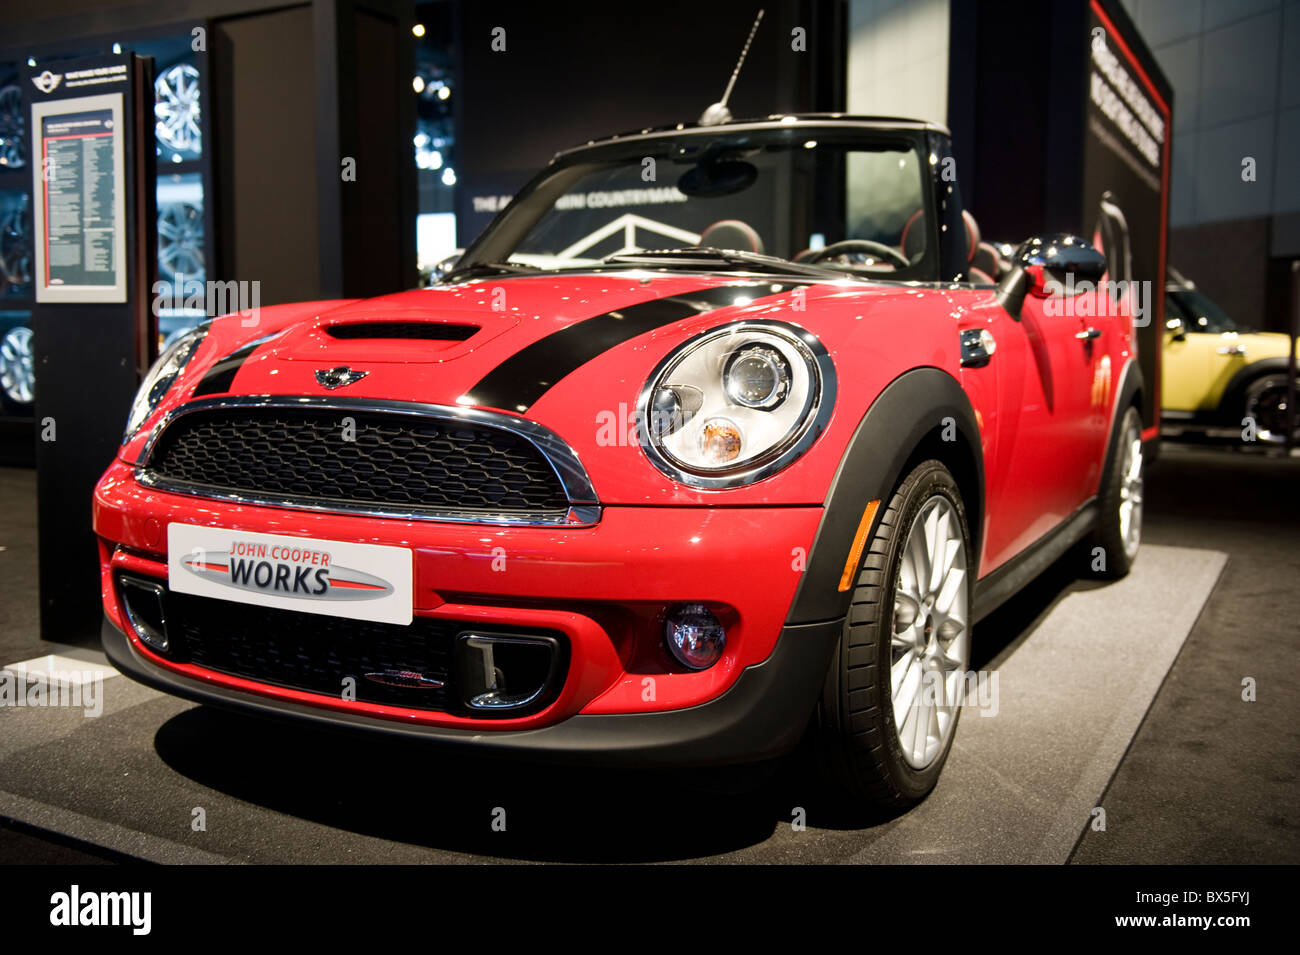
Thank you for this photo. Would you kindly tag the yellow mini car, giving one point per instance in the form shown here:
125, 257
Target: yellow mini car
1216, 374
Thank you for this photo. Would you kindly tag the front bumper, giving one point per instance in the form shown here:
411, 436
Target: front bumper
603, 587
761, 716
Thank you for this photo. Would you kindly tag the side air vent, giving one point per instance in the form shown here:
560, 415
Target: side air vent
426, 331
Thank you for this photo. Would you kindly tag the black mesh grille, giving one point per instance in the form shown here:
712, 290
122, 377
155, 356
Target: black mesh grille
393, 462
316, 654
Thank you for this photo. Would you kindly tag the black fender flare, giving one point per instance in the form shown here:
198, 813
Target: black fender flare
1232, 404
910, 408
1130, 386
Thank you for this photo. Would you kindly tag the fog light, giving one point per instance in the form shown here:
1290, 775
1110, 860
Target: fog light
694, 636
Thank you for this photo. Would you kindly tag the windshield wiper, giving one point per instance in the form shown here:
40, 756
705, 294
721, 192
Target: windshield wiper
711, 258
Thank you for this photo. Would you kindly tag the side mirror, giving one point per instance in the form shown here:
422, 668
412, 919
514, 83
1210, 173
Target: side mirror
1177, 330
444, 266
1056, 264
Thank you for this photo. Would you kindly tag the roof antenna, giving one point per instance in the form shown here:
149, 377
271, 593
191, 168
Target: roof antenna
718, 113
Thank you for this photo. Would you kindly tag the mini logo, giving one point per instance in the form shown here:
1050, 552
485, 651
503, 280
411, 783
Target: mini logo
47, 82
333, 378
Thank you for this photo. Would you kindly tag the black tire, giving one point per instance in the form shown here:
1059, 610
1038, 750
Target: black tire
1265, 404
1109, 555
853, 734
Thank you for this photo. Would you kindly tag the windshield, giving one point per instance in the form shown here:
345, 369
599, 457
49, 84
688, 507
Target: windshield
1200, 314
830, 198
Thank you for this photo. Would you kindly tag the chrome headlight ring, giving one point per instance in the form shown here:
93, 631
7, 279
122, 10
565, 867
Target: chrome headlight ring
758, 428
160, 378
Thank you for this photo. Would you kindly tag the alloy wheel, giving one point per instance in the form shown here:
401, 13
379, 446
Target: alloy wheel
930, 637
1130, 493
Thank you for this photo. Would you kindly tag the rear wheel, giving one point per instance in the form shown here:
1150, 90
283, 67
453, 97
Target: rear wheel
893, 694
1119, 525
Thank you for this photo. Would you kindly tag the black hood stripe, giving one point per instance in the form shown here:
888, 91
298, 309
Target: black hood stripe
517, 383
221, 376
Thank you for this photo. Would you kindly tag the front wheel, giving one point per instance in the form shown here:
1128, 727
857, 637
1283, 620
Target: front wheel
893, 694
1266, 406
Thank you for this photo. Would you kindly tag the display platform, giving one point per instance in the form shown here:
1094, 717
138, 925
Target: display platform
1020, 786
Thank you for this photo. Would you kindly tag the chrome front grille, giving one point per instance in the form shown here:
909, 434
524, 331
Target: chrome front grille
390, 459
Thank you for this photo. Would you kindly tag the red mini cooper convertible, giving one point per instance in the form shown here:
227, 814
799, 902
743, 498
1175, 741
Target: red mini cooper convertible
719, 439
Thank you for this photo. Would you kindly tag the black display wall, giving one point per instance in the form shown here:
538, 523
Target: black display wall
88, 361
574, 70
292, 90
315, 120
1030, 161
297, 87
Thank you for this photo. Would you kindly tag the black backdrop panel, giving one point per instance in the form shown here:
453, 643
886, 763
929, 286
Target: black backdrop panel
378, 250
88, 363
574, 70
266, 154
1030, 163
1126, 151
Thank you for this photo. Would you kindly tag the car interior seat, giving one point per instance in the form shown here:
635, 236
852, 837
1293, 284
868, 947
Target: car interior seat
732, 234
912, 239
988, 261
974, 270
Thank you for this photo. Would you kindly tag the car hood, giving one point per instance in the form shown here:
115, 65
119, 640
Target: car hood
497, 344
570, 352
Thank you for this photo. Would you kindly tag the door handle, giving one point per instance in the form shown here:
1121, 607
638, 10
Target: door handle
977, 347
1232, 351
1088, 334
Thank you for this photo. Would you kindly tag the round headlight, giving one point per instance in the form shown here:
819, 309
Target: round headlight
760, 392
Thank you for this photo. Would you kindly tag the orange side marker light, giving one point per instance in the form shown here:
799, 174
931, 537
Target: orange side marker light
859, 541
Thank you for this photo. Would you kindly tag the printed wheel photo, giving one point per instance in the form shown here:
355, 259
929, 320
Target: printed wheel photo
15, 251
13, 129
17, 376
176, 109
180, 241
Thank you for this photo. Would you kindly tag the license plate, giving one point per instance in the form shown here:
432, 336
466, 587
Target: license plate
334, 578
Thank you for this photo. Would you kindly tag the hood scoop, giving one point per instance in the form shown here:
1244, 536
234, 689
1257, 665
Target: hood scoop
402, 338
407, 331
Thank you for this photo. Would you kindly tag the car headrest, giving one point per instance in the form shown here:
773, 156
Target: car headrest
972, 235
987, 259
912, 240
732, 234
